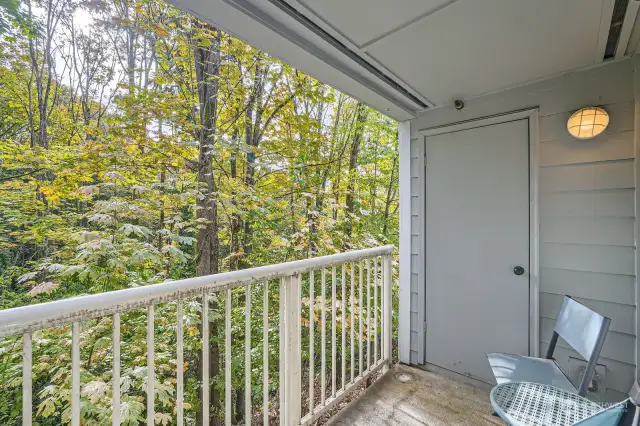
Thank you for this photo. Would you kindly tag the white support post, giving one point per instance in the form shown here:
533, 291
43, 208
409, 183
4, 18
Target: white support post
360, 313
265, 354
312, 375
291, 383
375, 311
333, 333
247, 359
227, 358
151, 378
282, 360
368, 263
404, 282
387, 316
27, 380
343, 326
75, 374
115, 381
180, 365
205, 359
323, 338
352, 312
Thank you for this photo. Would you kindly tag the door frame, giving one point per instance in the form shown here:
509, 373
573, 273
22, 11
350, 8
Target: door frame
534, 221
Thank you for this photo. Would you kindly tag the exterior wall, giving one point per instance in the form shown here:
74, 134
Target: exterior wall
587, 209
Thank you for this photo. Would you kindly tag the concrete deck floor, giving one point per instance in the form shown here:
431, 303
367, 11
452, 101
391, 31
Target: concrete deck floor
428, 399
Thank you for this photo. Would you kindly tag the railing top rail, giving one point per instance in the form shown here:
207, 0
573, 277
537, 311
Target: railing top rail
61, 312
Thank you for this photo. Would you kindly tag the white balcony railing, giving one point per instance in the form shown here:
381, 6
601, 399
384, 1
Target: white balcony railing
359, 283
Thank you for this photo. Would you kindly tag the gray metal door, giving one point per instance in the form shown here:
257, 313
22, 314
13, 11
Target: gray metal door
477, 232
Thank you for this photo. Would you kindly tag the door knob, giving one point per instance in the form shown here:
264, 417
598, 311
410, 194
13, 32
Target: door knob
518, 270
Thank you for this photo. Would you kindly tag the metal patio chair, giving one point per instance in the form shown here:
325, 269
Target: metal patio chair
583, 329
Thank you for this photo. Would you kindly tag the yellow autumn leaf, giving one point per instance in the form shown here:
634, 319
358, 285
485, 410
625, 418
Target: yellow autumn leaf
46, 190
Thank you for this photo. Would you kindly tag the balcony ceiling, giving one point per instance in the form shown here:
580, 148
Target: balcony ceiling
404, 56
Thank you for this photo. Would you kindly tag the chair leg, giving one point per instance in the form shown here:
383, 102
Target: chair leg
552, 346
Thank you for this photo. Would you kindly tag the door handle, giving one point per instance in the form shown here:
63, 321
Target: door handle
518, 270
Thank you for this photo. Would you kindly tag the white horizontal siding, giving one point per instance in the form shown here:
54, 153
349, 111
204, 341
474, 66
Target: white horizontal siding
586, 196
612, 288
604, 230
609, 147
588, 258
613, 203
589, 176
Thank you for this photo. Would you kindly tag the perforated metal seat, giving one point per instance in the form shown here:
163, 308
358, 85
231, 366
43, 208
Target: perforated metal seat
517, 368
534, 404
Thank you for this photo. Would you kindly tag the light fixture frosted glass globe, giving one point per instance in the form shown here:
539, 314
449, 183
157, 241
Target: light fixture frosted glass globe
588, 123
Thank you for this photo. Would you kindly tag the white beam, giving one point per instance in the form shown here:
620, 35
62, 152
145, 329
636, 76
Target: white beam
404, 326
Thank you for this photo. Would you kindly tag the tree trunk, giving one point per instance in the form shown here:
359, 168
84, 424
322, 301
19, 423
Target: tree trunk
362, 113
322, 190
207, 65
253, 123
390, 197
236, 219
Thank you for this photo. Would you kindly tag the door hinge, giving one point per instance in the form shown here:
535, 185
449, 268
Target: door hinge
424, 326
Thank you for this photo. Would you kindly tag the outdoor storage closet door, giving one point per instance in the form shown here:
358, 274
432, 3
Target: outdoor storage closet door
477, 232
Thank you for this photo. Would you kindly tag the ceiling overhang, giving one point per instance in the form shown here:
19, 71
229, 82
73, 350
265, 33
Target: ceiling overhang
405, 56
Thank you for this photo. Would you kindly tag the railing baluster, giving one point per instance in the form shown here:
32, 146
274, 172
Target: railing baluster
311, 341
75, 374
352, 311
298, 354
115, 381
27, 383
360, 312
386, 312
265, 354
151, 379
343, 325
368, 315
281, 339
247, 359
375, 310
323, 337
205, 359
180, 365
227, 359
333, 331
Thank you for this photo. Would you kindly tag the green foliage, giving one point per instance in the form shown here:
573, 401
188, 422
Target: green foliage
102, 136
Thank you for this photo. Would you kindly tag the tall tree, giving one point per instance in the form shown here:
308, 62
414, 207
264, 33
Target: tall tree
361, 117
206, 52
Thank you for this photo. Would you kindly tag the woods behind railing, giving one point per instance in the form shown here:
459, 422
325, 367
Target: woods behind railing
327, 320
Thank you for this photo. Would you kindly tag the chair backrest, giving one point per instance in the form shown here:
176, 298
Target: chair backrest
609, 417
581, 327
